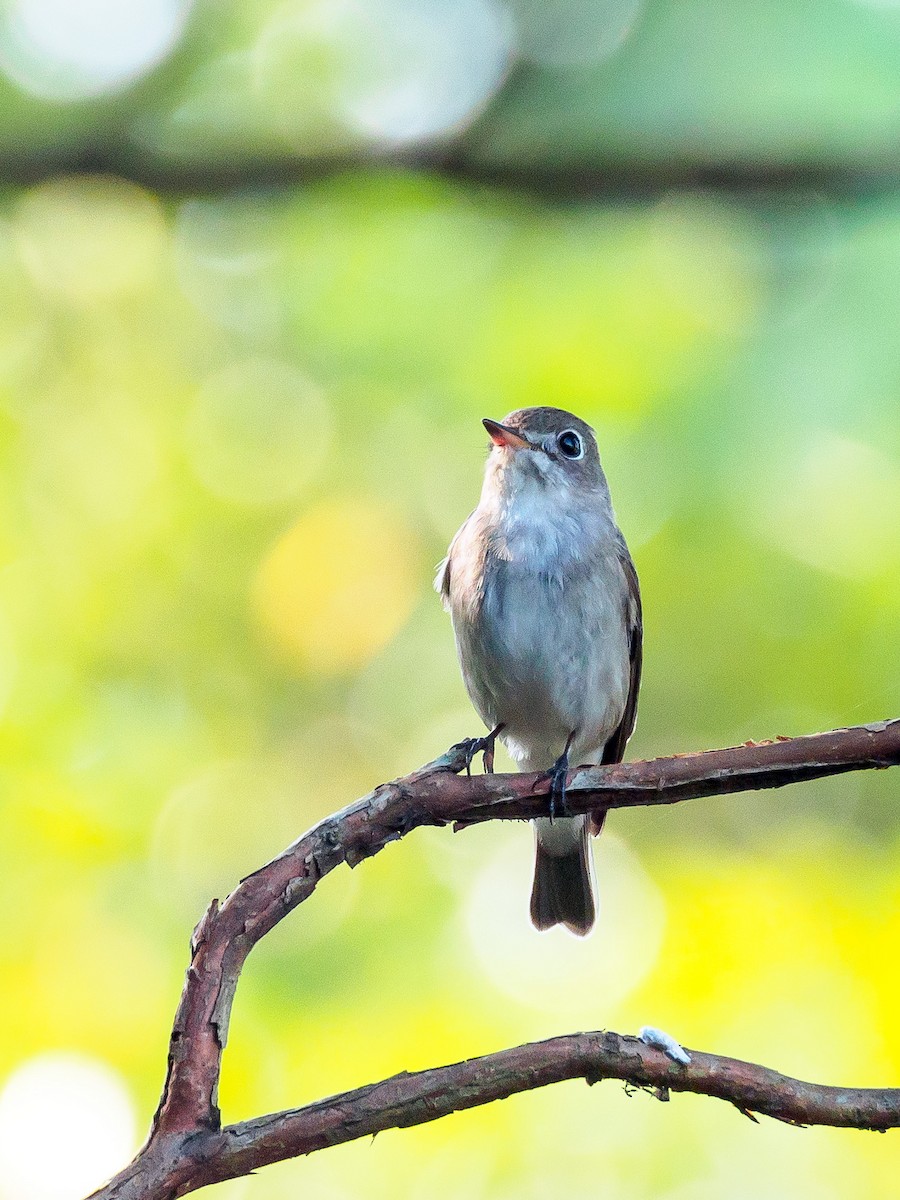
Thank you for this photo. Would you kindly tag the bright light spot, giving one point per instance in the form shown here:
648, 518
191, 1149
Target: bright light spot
419, 438
433, 66
700, 259
94, 459
809, 246
91, 238
563, 33
339, 585
71, 49
211, 805
227, 252
66, 1125
21, 318
837, 507
393, 71
622, 309
554, 971
208, 808
259, 432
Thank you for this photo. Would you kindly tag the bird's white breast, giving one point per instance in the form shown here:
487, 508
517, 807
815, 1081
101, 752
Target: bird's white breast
538, 602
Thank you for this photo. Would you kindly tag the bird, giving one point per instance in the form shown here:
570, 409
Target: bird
546, 612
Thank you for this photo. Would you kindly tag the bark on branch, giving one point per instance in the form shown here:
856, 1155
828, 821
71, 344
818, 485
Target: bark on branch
187, 1147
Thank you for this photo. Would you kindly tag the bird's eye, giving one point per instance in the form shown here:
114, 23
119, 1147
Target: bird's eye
570, 444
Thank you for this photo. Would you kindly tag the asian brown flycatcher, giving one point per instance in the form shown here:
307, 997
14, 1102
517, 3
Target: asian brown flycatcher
546, 613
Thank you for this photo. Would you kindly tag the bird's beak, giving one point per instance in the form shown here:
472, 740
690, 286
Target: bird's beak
502, 435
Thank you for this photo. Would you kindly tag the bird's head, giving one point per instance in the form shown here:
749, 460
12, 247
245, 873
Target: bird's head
546, 447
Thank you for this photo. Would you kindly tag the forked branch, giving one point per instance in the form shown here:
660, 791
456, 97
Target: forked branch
187, 1148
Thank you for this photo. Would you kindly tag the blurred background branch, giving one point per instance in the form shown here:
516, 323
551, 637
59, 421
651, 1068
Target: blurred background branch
180, 1156
566, 91
593, 180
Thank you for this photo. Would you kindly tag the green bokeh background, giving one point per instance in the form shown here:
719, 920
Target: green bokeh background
240, 405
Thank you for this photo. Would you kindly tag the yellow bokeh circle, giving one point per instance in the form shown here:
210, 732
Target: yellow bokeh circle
91, 238
338, 585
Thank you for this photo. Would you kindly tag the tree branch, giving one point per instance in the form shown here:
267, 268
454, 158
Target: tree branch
187, 1148
603, 178
415, 1099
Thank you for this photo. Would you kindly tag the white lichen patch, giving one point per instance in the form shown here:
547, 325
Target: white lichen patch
665, 1042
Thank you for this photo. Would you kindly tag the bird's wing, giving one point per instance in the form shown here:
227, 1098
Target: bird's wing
442, 579
614, 749
444, 567
634, 625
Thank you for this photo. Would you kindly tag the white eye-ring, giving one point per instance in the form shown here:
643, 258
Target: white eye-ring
570, 444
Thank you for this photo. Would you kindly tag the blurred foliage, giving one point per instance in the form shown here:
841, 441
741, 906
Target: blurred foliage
771, 83
237, 432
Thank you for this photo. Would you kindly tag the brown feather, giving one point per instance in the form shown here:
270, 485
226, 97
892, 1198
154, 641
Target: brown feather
614, 750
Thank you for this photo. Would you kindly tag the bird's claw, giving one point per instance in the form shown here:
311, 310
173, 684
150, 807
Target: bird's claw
481, 745
470, 747
557, 776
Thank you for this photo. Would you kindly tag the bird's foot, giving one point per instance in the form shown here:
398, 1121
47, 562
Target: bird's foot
481, 745
557, 775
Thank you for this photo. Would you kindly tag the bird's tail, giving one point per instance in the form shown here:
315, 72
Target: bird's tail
563, 891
